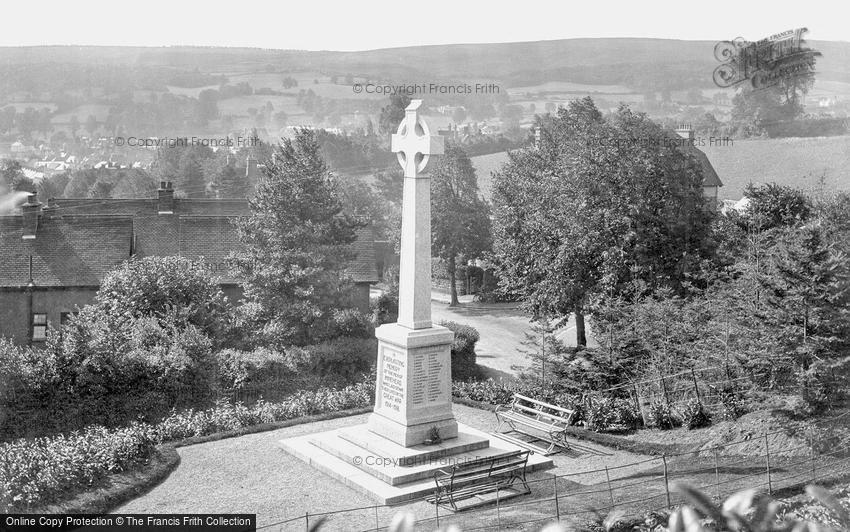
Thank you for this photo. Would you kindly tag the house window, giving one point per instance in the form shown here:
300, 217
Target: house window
39, 327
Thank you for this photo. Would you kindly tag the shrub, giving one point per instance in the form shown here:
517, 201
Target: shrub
39, 470
611, 414
661, 416
159, 286
814, 388
336, 361
695, 416
161, 364
731, 406
262, 370
486, 391
351, 323
236, 368
463, 350
384, 308
628, 416
600, 414
585, 370
97, 372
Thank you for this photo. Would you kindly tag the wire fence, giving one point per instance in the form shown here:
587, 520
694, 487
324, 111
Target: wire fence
713, 387
766, 462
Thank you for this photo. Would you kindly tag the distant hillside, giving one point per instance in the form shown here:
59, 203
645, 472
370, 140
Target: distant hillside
633, 62
798, 162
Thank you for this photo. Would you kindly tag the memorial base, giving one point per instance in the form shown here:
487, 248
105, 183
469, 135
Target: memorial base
392, 473
413, 401
410, 435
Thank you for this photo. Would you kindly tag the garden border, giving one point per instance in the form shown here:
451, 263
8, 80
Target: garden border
117, 488
120, 488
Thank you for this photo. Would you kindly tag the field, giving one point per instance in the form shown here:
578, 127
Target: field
20, 107
798, 162
82, 113
192, 92
325, 89
568, 87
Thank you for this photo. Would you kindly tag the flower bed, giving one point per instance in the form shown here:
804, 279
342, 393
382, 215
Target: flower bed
34, 472
41, 469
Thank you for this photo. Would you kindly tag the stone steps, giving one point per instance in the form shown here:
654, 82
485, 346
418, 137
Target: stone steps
390, 484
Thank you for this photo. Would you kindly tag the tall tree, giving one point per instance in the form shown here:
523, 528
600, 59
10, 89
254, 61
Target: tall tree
297, 246
591, 209
12, 177
807, 295
74, 125
191, 179
91, 125
393, 113
460, 218
231, 182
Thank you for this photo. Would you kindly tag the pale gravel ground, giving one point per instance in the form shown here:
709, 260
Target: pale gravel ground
502, 327
252, 474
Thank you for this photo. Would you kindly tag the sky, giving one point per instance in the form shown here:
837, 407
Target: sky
364, 25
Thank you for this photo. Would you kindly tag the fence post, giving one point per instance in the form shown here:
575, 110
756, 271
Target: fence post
716, 476
664, 389
437, 506
637, 399
307, 521
812, 450
666, 480
377, 524
767, 455
557, 507
610, 492
498, 510
696, 387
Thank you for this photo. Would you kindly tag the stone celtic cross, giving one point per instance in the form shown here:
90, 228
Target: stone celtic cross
413, 145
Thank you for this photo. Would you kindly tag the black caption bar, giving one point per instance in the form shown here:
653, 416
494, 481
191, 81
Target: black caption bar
129, 522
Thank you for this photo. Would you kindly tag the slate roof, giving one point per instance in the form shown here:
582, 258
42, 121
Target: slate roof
709, 175
364, 269
79, 240
70, 250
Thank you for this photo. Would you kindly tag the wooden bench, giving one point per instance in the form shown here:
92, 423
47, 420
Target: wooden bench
526, 413
485, 479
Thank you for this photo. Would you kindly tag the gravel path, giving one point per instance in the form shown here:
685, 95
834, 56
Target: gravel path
502, 327
252, 474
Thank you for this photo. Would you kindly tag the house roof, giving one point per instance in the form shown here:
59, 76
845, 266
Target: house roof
79, 240
709, 175
69, 250
363, 269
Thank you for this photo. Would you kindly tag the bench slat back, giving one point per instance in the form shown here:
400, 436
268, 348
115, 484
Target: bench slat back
485, 466
537, 408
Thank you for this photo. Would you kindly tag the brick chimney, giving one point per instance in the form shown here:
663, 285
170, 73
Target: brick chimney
31, 213
165, 198
686, 132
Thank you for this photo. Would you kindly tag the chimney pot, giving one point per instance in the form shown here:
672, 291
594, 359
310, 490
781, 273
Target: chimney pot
165, 198
31, 212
